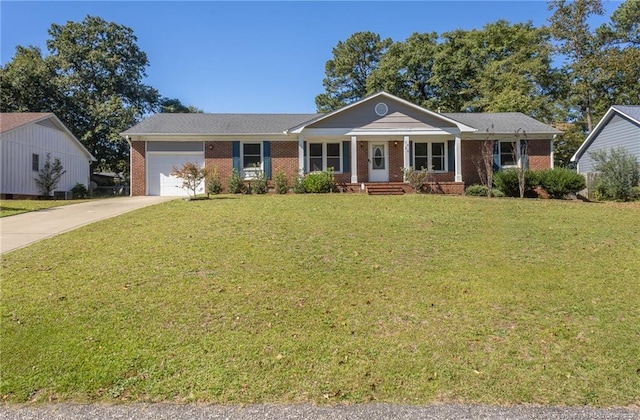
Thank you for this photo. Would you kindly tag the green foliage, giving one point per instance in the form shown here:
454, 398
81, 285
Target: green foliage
92, 79
214, 184
280, 182
559, 182
174, 105
49, 176
235, 184
319, 182
507, 182
618, 174
478, 190
259, 184
416, 178
79, 191
191, 176
298, 185
347, 72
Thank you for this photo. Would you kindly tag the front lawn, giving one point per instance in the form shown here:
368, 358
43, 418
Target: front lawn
12, 207
331, 298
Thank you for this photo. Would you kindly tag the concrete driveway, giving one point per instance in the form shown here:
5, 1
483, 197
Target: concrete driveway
24, 229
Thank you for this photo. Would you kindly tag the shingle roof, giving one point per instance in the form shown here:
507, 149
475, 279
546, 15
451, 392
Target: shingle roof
166, 123
632, 111
502, 122
11, 120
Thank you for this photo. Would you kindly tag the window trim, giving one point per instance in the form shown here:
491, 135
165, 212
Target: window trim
430, 144
515, 161
325, 156
250, 173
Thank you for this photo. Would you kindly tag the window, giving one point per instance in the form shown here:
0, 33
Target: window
507, 154
35, 162
430, 156
323, 156
251, 155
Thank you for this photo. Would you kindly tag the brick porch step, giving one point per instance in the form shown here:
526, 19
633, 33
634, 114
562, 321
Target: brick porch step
384, 189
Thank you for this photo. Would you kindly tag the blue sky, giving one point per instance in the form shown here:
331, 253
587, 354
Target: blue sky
264, 57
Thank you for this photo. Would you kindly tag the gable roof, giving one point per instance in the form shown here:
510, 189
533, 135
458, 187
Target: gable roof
383, 95
631, 112
225, 124
10, 121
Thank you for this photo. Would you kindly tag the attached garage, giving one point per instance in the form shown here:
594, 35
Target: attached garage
162, 157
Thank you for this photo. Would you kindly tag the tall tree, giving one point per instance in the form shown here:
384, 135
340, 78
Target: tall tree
406, 69
580, 46
348, 71
92, 79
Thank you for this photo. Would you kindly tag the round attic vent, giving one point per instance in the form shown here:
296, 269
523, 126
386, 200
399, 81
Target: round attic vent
382, 109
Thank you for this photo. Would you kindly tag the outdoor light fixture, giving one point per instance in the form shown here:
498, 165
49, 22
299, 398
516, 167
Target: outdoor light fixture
211, 147
361, 144
395, 143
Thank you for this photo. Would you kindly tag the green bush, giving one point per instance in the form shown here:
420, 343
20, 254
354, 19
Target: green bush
560, 182
79, 191
319, 182
298, 185
214, 185
235, 185
618, 174
507, 182
260, 184
478, 190
280, 182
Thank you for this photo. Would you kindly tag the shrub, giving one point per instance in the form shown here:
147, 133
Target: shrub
618, 173
478, 190
560, 182
49, 176
214, 185
79, 191
235, 185
298, 186
319, 182
280, 182
507, 182
259, 184
416, 179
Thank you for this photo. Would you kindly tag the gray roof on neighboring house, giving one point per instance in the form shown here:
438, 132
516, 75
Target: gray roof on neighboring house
502, 122
632, 111
237, 124
195, 123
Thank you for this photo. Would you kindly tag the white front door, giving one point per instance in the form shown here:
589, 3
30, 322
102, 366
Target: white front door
378, 162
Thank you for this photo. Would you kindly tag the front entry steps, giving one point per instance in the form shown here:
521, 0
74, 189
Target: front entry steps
384, 189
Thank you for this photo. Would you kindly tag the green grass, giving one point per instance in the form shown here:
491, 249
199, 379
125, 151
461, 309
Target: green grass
333, 298
12, 207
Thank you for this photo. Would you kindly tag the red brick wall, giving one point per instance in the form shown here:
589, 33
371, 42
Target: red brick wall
284, 158
138, 179
363, 163
218, 155
539, 154
470, 151
396, 161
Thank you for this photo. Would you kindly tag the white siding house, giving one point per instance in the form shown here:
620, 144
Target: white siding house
619, 128
25, 140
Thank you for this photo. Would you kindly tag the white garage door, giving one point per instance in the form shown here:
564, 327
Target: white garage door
160, 165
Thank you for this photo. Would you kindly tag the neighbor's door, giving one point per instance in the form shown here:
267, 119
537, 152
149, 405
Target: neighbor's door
378, 162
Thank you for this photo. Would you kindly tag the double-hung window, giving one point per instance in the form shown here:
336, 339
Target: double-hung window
507, 154
430, 156
251, 159
325, 156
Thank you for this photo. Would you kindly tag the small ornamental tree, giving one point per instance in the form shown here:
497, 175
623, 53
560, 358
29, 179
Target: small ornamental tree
49, 176
191, 175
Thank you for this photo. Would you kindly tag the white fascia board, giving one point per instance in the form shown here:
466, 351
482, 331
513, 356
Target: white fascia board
596, 130
508, 136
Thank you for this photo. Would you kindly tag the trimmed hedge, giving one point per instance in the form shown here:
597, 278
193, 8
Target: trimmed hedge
559, 182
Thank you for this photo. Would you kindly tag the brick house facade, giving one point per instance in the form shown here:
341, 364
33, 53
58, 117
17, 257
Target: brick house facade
370, 141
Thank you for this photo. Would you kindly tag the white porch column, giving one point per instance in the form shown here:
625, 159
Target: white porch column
407, 156
518, 152
300, 153
354, 160
458, 152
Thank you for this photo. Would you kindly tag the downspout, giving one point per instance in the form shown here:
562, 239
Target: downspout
553, 140
130, 163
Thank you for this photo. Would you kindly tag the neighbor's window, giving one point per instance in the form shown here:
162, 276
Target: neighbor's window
35, 162
507, 154
251, 155
430, 156
323, 156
